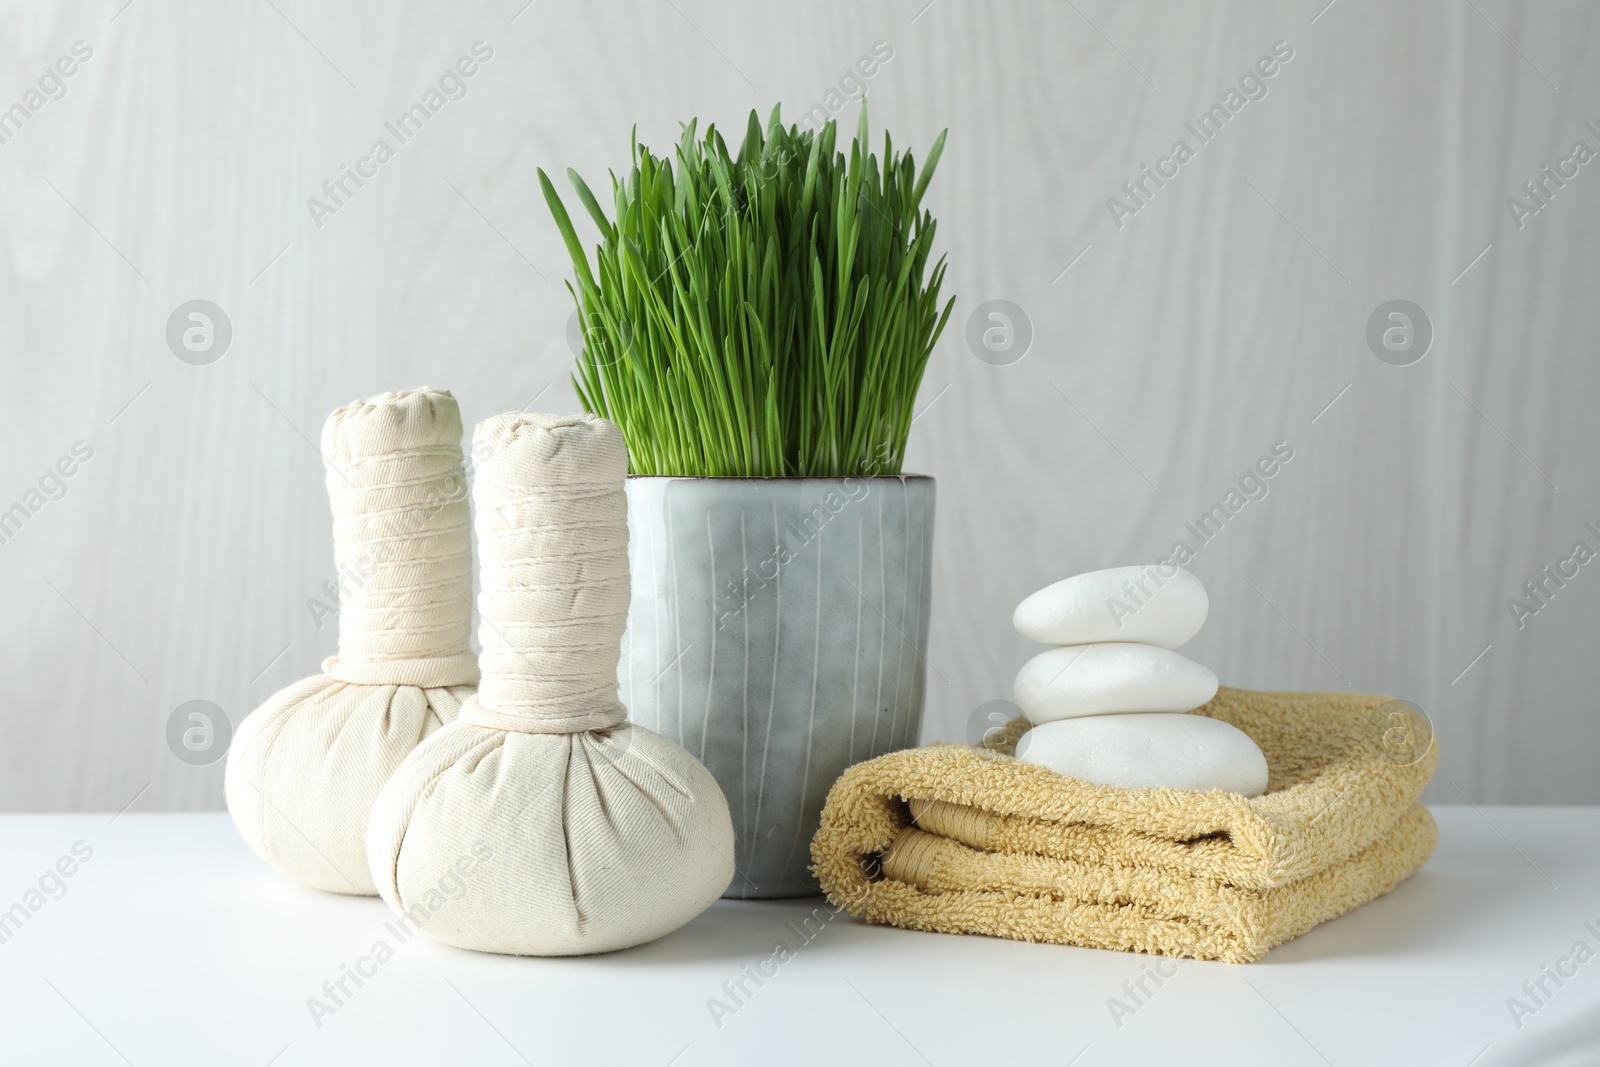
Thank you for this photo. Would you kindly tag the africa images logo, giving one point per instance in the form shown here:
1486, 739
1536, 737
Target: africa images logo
352, 178
1253, 85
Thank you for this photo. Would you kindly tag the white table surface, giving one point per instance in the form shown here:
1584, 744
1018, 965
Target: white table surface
172, 944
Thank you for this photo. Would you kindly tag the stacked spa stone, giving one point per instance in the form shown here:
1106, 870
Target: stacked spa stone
1107, 703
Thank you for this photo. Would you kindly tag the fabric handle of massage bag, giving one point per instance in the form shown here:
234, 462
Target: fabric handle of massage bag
306, 766
542, 822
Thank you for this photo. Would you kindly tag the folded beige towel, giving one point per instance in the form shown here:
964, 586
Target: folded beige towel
959, 839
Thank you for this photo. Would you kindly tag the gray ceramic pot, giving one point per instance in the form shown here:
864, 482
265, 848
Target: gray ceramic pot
777, 631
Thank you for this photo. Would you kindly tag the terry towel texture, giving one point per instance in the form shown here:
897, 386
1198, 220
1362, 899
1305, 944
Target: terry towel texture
962, 839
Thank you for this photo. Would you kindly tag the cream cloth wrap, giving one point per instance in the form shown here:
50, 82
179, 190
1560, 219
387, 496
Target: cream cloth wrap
304, 769
542, 822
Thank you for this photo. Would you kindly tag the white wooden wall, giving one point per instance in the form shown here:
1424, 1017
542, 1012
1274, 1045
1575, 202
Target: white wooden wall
1168, 354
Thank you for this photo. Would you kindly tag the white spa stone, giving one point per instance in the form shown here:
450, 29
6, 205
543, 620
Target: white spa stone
1149, 752
1103, 679
1152, 603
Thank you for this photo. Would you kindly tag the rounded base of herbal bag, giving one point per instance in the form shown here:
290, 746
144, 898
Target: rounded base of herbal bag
777, 631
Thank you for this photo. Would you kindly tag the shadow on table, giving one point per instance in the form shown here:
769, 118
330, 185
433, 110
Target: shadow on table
1430, 910
748, 929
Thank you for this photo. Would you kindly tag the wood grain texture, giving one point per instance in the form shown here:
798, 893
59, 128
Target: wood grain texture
1222, 317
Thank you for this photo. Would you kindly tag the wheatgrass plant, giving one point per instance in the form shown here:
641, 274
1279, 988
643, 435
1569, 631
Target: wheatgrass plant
765, 315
